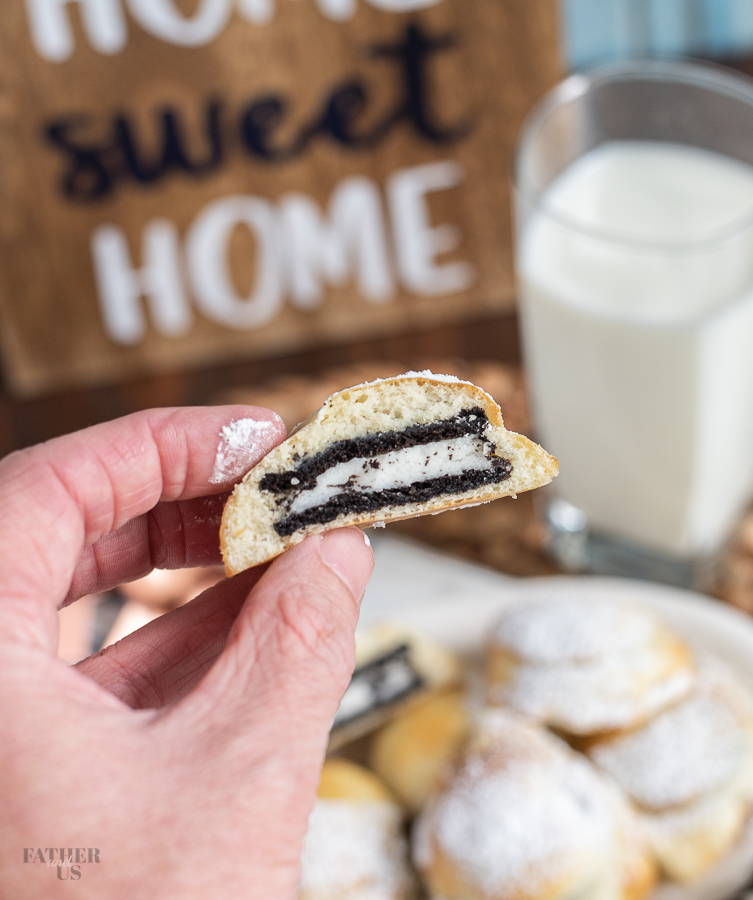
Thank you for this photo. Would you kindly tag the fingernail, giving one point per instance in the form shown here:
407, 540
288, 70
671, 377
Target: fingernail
242, 444
345, 552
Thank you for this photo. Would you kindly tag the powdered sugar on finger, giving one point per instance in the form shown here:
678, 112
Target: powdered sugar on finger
242, 444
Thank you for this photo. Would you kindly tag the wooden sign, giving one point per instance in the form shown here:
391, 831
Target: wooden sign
185, 182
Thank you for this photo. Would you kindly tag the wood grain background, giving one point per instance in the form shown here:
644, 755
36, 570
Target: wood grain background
506, 56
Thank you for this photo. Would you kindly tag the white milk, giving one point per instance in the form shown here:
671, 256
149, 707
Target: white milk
641, 357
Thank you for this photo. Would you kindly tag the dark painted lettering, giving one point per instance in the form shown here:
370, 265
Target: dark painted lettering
94, 168
413, 53
88, 175
258, 124
340, 116
173, 155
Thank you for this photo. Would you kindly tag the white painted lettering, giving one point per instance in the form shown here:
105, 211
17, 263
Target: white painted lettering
341, 10
52, 33
398, 6
259, 12
207, 251
338, 10
162, 19
353, 237
417, 243
300, 251
107, 31
121, 286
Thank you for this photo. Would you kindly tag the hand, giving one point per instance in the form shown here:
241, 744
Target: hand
188, 754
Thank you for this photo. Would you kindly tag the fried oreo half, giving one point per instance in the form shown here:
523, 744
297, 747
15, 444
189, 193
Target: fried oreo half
393, 449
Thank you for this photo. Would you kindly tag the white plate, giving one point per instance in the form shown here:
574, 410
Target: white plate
455, 603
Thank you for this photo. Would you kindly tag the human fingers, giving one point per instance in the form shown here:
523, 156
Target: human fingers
184, 534
226, 777
166, 659
289, 656
60, 497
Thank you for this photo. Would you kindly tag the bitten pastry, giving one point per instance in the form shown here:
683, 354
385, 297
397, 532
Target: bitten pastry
585, 664
690, 772
412, 752
355, 848
395, 668
406, 446
523, 817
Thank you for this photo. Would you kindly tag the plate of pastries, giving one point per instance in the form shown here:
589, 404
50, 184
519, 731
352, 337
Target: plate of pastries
561, 739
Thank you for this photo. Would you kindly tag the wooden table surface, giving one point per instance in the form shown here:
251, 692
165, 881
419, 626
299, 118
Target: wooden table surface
23, 423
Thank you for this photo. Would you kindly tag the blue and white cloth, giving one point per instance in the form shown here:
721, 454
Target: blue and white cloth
597, 31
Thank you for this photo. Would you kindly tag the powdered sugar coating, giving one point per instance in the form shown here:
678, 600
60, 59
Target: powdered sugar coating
425, 373
355, 851
586, 664
599, 696
686, 751
689, 840
519, 815
571, 627
242, 444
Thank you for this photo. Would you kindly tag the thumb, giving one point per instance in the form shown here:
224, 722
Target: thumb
289, 656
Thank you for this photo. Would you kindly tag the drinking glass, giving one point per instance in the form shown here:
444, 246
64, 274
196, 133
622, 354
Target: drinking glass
634, 188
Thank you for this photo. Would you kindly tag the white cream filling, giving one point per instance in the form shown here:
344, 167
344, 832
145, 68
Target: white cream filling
364, 695
398, 468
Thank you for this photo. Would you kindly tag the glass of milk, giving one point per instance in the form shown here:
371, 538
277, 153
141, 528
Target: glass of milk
635, 263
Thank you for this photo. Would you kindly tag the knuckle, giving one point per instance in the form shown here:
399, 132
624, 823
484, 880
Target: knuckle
139, 688
311, 624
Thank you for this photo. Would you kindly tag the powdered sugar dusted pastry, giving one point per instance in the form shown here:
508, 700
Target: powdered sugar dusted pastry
392, 449
413, 751
395, 668
523, 817
690, 772
585, 665
355, 848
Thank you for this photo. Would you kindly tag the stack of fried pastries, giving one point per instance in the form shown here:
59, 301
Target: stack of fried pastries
590, 756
